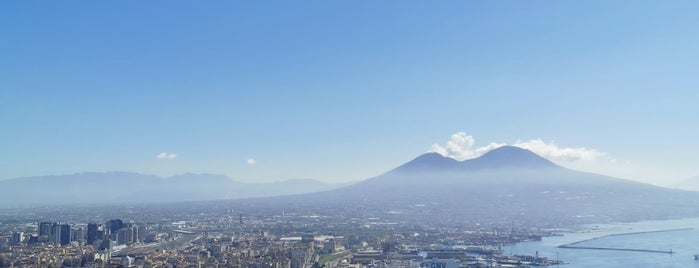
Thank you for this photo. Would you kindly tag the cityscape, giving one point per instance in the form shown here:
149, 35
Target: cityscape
232, 234
432, 211
349, 134
392, 220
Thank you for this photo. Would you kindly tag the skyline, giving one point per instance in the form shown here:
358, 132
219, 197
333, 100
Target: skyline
345, 91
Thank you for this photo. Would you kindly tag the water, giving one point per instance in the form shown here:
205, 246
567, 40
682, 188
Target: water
684, 243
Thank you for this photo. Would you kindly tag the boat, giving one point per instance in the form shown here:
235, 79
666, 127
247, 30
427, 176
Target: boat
696, 256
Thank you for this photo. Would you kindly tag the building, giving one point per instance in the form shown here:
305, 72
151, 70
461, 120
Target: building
114, 225
307, 238
17, 238
125, 236
77, 235
91, 233
45, 228
60, 234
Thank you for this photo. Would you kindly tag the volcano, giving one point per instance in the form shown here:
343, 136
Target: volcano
511, 183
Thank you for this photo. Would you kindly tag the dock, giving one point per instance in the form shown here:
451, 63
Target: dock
620, 249
573, 245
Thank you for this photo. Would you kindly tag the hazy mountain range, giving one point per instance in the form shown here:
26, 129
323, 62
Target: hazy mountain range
116, 187
510, 183
506, 183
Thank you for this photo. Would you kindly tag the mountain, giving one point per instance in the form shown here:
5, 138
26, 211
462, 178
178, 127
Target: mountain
509, 184
429, 162
116, 187
504, 157
505, 185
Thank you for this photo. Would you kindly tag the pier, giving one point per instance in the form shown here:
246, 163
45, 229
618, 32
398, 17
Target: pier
573, 245
620, 249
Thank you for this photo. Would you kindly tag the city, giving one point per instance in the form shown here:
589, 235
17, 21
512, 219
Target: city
349, 134
429, 212
253, 236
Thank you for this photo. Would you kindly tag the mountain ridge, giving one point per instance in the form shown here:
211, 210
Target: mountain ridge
121, 186
511, 184
501, 157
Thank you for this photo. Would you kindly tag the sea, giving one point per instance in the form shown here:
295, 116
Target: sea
680, 236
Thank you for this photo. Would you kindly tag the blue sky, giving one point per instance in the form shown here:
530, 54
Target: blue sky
343, 90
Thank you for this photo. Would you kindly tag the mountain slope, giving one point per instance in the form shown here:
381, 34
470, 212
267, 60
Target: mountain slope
512, 184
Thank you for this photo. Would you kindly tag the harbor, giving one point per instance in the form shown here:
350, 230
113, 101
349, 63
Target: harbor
636, 244
575, 245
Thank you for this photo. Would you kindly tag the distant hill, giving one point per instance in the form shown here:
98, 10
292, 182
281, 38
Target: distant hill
119, 187
508, 184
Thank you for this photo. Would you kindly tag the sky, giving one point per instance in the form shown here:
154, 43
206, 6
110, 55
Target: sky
346, 90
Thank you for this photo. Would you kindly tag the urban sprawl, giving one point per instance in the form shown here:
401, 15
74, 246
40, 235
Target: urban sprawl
246, 235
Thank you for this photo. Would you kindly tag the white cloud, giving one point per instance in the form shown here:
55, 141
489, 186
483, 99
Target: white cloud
250, 161
552, 151
461, 147
166, 156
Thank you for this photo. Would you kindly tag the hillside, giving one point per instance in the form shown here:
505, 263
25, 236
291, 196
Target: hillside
510, 183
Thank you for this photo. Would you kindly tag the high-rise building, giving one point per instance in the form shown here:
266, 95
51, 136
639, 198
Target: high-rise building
65, 234
114, 225
116, 238
141, 234
137, 233
126, 236
33, 239
17, 237
91, 233
60, 234
77, 235
53, 234
45, 228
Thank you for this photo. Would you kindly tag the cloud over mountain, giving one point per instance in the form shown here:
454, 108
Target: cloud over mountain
461, 147
553, 152
166, 156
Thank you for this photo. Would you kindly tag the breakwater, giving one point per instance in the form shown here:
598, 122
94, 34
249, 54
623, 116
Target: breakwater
574, 245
